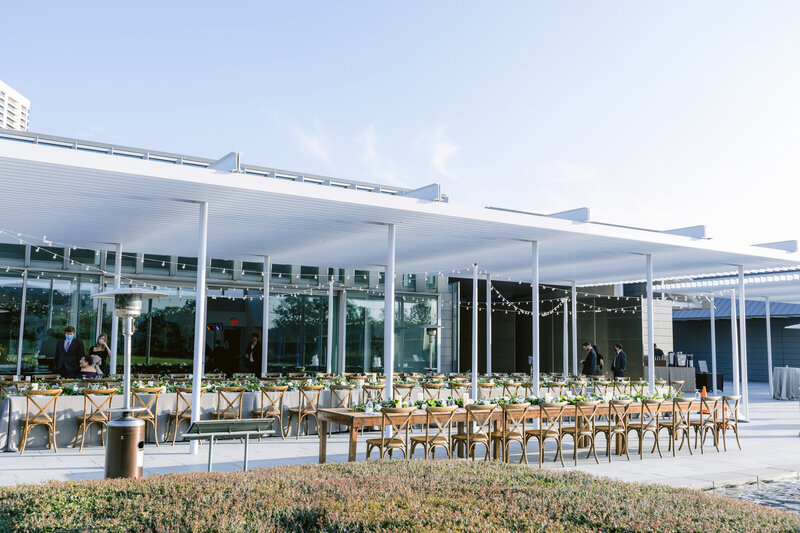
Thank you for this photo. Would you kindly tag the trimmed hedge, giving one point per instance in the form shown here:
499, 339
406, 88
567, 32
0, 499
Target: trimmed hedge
379, 496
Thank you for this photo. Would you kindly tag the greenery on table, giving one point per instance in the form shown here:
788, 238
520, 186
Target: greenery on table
399, 495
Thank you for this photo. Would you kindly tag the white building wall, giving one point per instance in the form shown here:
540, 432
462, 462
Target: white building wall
14, 109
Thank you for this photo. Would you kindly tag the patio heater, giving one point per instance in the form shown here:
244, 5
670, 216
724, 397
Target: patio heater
125, 448
431, 330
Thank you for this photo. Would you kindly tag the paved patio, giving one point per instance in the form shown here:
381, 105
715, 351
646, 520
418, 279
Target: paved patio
770, 442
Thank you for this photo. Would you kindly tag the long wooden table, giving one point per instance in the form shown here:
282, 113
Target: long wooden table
355, 420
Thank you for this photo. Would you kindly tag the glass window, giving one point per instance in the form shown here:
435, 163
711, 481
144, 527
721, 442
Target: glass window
156, 264
10, 302
187, 266
410, 282
298, 332
282, 273
361, 278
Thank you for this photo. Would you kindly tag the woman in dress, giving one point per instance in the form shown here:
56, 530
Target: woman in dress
87, 370
102, 351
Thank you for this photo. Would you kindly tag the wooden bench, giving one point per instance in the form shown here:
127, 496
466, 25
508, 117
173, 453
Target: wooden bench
213, 430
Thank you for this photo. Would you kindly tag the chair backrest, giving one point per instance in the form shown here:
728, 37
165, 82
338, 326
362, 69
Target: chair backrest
556, 388
229, 401
150, 405
514, 416
9, 387
710, 407
637, 387
179, 376
146, 376
272, 397
618, 413
677, 385
41, 406
440, 420
585, 416
512, 388
578, 387
92, 408
432, 390
373, 392
550, 415
458, 388
403, 390
484, 389
399, 420
649, 412
246, 375
215, 375
296, 375
601, 387
527, 388
341, 395
271, 375
183, 401
730, 405
681, 412
309, 396
479, 419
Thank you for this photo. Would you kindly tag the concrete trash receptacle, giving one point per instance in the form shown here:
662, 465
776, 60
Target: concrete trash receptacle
125, 448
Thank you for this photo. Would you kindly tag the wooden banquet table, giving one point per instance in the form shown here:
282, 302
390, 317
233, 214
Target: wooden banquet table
355, 420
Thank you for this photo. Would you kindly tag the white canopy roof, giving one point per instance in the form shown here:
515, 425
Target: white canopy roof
92, 199
777, 286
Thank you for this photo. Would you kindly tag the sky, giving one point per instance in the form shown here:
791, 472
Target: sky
652, 114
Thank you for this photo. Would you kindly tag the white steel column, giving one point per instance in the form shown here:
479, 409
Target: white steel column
341, 345
488, 324
743, 346
199, 319
474, 331
22, 320
734, 345
565, 337
114, 319
651, 365
388, 322
574, 329
535, 316
769, 346
99, 318
265, 316
439, 333
713, 347
329, 357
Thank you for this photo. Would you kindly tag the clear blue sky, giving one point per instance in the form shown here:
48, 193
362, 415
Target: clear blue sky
658, 114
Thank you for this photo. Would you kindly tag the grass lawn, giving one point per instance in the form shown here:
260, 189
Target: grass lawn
395, 495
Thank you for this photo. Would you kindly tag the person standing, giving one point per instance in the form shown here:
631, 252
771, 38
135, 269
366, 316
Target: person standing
658, 353
252, 355
102, 351
68, 354
620, 361
590, 363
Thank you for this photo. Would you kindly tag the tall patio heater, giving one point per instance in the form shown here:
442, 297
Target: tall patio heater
431, 330
125, 447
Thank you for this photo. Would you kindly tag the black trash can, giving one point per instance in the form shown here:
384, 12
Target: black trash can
125, 448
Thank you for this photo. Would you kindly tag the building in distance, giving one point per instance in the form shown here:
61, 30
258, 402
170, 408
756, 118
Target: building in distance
14, 108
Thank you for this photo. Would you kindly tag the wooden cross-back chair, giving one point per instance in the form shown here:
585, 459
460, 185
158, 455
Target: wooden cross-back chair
577, 387
373, 392
616, 426
512, 388
94, 413
438, 432
550, 422
40, 401
272, 405
707, 420
679, 423
479, 429
403, 391
433, 390
398, 419
556, 388
601, 387
183, 411
229, 403
512, 429
150, 406
647, 423
485, 389
729, 419
341, 397
309, 405
583, 429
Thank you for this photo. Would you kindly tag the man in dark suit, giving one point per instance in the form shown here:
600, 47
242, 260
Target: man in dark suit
252, 355
68, 354
620, 361
590, 363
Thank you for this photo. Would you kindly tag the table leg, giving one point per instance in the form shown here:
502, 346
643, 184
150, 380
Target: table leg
323, 441
351, 454
496, 445
461, 426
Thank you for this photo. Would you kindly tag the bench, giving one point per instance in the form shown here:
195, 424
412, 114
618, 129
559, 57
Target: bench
213, 430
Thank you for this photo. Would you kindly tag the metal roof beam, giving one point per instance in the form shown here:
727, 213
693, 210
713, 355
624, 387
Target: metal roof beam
787, 246
695, 232
580, 214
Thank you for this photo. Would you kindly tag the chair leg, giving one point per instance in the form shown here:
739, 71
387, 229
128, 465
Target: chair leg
77, 432
658, 446
280, 426
24, 440
155, 431
51, 433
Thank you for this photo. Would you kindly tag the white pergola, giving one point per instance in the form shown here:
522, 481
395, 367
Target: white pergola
217, 210
771, 286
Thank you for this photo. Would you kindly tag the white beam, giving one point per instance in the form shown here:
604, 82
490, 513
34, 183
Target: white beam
439, 333
651, 364
574, 329
341, 345
474, 331
743, 345
769, 346
565, 337
488, 324
22, 320
199, 319
388, 306
112, 366
734, 345
535, 316
265, 316
329, 345
713, 347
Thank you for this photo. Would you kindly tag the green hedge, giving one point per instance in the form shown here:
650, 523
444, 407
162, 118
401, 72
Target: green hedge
379, 496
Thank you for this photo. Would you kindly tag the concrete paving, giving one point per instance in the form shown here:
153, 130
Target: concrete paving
770, 451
